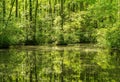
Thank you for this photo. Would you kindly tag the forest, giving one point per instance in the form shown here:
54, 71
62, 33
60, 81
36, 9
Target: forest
59, 40
60, 22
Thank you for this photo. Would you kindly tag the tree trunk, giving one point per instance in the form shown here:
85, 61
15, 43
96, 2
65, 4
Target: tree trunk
51, 12
62, 16
36, 10
16, 14
30, 10
4, 10
12, 4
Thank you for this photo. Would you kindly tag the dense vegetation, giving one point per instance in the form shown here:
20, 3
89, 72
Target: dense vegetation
59, 22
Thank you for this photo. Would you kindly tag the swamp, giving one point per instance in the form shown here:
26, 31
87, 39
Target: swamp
59, 40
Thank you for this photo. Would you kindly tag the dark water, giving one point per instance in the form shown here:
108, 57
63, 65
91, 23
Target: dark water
83, 63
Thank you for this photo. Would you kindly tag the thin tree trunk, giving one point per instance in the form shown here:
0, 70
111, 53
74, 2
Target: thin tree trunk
26, 6
30, 10
36, 10
61, 13
4, 10
26, 18
12, 4
50, 11
16, 14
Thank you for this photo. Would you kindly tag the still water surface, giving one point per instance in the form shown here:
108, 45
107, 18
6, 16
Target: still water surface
78, 63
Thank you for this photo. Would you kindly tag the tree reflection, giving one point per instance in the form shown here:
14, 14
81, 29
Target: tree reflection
64, 65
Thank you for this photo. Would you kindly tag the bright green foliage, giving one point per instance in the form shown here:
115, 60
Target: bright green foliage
101, 37
58, 22
87, 31
103, 16
113, 37
109, 37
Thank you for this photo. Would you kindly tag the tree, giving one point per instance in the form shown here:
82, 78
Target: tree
4, 10
35, 27
16, 14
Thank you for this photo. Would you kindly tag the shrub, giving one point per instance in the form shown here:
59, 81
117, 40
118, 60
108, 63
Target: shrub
109, 37
10, 35
113, 37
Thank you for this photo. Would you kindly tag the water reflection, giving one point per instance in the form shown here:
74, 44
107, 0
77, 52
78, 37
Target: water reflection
59, 64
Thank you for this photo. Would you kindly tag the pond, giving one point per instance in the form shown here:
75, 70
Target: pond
74, 63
